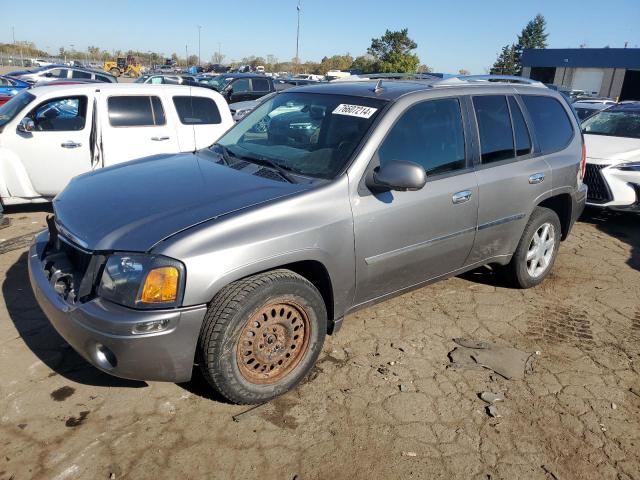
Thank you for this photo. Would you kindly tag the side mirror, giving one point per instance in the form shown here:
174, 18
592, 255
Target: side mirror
398, 175
26, 125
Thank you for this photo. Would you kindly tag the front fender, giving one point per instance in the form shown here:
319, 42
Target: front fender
315, 226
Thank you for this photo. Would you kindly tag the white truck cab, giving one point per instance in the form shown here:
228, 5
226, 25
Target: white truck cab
50, 134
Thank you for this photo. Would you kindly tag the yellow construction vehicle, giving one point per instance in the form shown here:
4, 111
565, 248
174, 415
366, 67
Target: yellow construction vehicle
127, 67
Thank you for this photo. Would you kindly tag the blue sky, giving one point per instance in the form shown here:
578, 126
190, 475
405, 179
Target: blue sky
450, 35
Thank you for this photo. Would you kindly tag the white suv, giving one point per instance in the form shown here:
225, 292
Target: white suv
50, 134
612, 141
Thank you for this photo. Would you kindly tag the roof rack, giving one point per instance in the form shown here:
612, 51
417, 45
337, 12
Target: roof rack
363, 77
460, 79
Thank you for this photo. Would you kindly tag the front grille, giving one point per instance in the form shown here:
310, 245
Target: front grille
598, 190
72, 271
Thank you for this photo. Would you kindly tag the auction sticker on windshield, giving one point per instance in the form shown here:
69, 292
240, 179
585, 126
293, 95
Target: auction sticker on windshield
354, 110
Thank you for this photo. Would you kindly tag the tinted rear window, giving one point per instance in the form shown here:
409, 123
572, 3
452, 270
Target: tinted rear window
135, 111
550, 121
260, 85
197, 110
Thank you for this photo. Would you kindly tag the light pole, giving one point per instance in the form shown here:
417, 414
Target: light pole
199, 28
298, 34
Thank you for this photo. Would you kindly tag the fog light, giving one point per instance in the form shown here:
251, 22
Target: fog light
105, 357
150, 327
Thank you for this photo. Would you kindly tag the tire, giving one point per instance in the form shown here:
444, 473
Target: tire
521, 269
115, 72
261, 335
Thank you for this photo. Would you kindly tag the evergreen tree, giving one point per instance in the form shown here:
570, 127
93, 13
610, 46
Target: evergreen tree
507, 62
392, 52
532, 36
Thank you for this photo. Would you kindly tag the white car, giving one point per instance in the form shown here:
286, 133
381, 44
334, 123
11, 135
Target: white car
586, 108
50, 134
612, 141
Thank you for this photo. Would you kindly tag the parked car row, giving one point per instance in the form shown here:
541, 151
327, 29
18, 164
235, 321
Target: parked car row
50, 73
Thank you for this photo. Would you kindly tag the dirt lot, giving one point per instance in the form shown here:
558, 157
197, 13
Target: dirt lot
381, 403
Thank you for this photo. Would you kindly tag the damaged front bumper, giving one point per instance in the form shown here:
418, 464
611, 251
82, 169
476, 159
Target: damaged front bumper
101, 331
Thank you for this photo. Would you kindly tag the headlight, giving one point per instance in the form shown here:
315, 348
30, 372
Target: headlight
142, 281
628, 167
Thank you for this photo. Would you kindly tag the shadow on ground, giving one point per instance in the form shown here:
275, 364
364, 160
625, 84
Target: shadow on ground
42, 339
623, 226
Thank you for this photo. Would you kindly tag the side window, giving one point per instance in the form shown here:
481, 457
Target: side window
80, 74
260, 85
57, 73
60, 115
550, 121
197, 110
520, 132
241, 85
156, 80
102, 78
430, 134
135, 111
494, 126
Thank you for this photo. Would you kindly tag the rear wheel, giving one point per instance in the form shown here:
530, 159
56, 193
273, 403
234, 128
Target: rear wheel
537, 250
261, 336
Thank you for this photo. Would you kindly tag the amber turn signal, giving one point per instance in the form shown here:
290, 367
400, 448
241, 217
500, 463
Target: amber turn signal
161, 285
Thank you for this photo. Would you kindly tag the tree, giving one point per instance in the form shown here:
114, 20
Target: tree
532, 36
424, 69
366, 63
507, 62
393, 52
464, 71
217, 58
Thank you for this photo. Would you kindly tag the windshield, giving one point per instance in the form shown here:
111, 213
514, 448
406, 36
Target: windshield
584, 113
613, 124
13, 107
309, 134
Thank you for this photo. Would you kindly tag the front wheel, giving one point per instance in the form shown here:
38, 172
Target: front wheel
261, 336
537, 250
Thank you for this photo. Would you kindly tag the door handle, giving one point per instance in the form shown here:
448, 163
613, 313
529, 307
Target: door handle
536, 178
70, 144
461, 197
159, 139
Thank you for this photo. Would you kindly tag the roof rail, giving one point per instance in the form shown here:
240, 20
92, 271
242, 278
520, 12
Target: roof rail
459, 79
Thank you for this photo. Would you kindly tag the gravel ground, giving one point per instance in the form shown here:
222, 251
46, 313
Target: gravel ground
381, 403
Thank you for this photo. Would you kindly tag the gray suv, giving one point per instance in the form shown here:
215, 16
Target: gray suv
242, 257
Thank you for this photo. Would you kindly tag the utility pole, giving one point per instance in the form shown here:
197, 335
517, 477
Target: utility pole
186, 56
199, 28
298, 34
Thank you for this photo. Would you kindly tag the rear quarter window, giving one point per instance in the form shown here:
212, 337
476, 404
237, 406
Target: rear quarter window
197, 110
551, 123
135, 111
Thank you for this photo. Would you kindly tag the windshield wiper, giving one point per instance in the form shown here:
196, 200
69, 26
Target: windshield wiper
275, 166
225, 153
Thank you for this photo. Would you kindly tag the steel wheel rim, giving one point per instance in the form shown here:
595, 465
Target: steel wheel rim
540, 251
273, 342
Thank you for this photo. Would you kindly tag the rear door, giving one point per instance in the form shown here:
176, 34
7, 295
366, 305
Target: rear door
405, 238
512, 175
201, 120
59, 147
135, 126
260, 87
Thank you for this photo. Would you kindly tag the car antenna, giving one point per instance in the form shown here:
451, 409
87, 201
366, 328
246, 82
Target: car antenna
378, 88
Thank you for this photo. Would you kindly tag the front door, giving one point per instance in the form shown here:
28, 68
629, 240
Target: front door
405, 238
240, 90
59, 147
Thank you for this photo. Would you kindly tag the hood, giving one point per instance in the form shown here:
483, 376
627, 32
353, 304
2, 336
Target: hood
133, 206
612, 149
